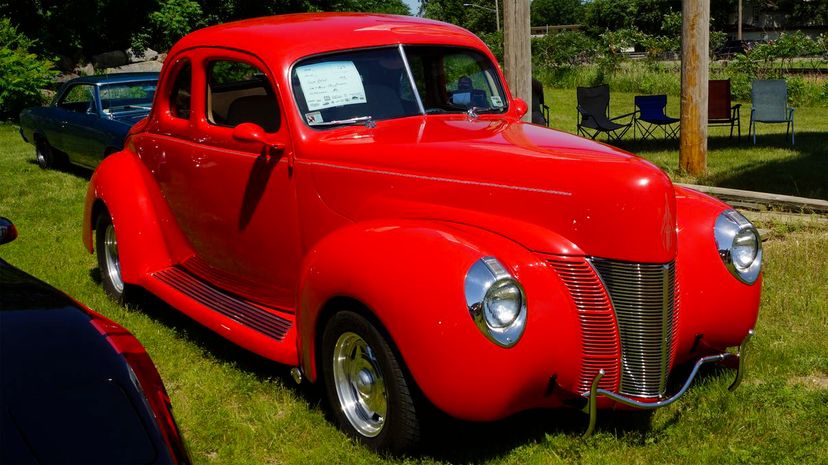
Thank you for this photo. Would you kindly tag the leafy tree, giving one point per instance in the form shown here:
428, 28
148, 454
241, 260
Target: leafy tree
610, 15
553, 12
22, 73
478, 17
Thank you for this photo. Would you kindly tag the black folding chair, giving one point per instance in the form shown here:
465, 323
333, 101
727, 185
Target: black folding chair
540, 111
593, 114
650, 115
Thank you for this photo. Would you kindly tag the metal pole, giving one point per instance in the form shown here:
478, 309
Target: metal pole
695, 39
739, 34
497, 15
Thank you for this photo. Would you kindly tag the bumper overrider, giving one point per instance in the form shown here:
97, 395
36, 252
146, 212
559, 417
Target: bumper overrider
592, 395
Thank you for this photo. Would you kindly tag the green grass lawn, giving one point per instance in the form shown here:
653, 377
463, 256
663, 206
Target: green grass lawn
236, 408
772, 165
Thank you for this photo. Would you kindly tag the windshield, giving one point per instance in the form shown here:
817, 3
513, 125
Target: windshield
127, 96
375, 84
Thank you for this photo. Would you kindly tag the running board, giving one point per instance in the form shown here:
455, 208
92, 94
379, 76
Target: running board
245, 313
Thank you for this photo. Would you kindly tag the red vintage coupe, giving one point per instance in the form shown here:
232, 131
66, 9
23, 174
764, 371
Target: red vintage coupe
356, 196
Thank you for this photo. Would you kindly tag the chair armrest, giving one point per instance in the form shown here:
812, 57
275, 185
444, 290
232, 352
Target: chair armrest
624, 115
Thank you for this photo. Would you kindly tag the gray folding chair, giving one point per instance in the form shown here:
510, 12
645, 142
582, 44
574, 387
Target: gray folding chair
770, 105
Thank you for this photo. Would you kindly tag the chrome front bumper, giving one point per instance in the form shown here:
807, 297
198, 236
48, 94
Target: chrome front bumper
592, 395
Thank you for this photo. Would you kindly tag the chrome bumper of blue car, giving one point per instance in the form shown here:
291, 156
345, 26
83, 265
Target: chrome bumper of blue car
594, 392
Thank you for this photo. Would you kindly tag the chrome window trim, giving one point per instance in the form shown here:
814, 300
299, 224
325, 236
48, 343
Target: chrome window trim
411, 79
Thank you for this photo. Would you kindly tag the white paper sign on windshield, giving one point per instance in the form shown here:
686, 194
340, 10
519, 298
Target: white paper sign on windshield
331, 84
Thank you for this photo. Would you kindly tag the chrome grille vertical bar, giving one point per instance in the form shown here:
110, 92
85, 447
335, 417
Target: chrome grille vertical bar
643, 296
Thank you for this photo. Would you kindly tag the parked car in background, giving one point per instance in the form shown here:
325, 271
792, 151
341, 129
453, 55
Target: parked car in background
88, 119
366, 205
75, 387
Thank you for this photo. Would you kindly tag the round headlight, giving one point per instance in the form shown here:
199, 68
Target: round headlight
502, 303
745, 247
737, 241
496, 301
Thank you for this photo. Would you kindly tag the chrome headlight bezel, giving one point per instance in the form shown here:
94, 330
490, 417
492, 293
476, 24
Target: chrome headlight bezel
732, 227
485, 277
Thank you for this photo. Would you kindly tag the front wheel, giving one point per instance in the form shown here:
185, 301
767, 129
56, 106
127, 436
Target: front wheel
367, 389
109, 261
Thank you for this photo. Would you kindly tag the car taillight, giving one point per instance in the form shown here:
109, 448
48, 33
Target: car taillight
148, 381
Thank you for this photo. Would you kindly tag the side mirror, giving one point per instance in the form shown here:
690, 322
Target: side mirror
520, 107
8, 232
252, 132
249, 132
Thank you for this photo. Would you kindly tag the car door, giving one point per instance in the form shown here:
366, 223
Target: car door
78, 118
233, 199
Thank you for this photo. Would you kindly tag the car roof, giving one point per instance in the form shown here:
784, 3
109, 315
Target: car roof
287, 38
116, 78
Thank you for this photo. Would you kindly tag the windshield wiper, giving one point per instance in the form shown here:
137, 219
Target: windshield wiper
367, 121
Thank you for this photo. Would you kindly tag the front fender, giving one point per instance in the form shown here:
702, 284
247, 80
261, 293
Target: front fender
410, 276
716, 310
123, 187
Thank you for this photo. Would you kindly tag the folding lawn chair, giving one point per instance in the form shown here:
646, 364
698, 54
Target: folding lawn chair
593, 114
540, 111
769, 100
650, 115
720, 112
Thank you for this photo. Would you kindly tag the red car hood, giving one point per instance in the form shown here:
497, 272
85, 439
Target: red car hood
551, 191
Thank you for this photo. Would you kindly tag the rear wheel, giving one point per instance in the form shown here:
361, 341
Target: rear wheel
44, 154
366, 387
109, 261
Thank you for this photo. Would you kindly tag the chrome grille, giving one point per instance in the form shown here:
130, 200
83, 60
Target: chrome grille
643, 297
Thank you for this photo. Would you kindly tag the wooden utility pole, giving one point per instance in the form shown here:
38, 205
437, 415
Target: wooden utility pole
695, 39
517, 50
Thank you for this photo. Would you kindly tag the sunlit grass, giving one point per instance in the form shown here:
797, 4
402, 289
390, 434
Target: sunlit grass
235, 408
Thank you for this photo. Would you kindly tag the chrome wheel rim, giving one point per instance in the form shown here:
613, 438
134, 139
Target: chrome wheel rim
41, 157
113, 263
359, 384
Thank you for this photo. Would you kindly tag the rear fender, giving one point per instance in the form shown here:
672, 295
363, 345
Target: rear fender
123, 187
409, 275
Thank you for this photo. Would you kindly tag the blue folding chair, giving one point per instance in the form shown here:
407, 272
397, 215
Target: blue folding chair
650, 115
769, 100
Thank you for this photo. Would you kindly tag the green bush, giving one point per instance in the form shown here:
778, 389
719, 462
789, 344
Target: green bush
563, 50
22, 73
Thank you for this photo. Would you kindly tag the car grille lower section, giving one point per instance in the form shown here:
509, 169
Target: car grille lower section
601, 346
643, 298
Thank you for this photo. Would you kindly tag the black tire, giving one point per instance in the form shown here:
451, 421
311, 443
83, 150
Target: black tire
44, 155
109, 264
400, 428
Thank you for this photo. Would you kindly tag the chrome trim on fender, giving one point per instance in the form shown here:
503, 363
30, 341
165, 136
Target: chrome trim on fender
729, 225
592, 396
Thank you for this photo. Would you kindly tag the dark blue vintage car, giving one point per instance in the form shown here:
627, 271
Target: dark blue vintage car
88, 119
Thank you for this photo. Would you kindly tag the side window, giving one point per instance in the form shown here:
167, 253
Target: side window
240, 93
180, 96
79, 98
